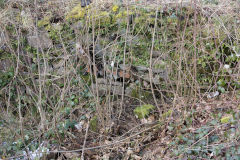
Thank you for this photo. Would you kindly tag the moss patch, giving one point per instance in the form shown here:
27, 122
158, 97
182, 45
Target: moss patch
93, 124
143, 111
77, 12
225, 119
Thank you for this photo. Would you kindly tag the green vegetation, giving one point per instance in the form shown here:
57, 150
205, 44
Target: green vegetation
194, 143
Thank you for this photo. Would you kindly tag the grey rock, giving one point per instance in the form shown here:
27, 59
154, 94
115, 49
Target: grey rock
159, 71
99, 52
40, 41
155, 79
130, 88
78, 25
141, 68
85, 3
159, 67
124, 67
10, 14
108, 82
156, 54
2, 39
5, 65
213, 94
3, 43
163, 74
27, 18
104, 89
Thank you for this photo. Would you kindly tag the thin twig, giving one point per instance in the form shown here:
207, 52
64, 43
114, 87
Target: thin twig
84, 143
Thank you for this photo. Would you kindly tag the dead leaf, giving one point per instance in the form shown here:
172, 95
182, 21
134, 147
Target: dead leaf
126, 75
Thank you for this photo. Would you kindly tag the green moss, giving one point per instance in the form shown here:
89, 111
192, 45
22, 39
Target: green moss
226, 119
94, 124
77, 12
140, 94
135, 93
103, 19
143, 111
44, 22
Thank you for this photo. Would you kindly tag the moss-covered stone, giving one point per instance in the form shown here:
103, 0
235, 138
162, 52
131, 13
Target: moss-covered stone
136, 92
94, 124
143, 111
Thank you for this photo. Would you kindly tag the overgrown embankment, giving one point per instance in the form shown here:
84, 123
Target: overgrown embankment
123, 76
